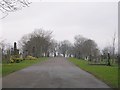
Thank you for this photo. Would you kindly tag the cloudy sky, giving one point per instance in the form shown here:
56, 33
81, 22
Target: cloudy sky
94, 20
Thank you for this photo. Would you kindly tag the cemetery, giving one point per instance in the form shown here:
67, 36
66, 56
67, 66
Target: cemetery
14, 56
13, 61
77, 48
102, 65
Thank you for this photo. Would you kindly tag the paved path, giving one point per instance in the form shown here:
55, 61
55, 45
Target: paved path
54, 73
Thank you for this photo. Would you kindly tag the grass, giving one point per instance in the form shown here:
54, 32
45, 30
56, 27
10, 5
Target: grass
108, 74
12, 67
0, 69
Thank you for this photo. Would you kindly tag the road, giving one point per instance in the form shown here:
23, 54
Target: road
53, 73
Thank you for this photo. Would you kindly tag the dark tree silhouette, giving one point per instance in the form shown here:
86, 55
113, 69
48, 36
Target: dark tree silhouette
37, 44
84, 47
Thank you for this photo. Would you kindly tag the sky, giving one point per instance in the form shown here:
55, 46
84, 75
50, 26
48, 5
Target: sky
94, 20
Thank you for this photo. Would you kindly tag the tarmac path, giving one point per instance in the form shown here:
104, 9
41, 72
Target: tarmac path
56, 72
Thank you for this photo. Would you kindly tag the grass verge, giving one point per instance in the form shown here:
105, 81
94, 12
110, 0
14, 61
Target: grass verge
0, 69
108, 74
12, 67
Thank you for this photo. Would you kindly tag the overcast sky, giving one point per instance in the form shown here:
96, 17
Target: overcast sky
94, 20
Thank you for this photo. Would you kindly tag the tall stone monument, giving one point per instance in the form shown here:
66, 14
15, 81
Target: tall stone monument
16, 51
15, 48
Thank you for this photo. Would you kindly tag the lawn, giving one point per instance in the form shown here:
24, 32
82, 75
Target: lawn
0, 69
12, 67
108, 74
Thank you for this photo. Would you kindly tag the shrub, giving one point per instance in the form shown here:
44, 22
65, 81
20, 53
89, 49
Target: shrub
11, 61
30, 58
17, 60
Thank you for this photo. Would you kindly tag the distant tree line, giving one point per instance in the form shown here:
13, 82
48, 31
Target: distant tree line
40, 43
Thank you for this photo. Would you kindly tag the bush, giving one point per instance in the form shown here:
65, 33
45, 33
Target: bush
14, 59
17, 60
11, 61
30, 58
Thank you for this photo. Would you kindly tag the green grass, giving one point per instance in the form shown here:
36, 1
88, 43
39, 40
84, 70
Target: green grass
108, 74
0, 69
12, 67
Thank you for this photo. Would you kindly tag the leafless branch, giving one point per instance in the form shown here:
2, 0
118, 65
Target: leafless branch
7, 6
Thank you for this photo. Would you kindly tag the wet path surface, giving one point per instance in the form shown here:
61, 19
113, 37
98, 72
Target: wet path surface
53, 73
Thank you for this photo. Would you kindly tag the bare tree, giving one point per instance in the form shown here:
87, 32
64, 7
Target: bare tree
54, 47
3, 46
70, 51
84, 47
5, 50
78, 45
108, 49
90, 48
113, 56
37, 43
7, 6
64, 47
105, 51
22, 42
